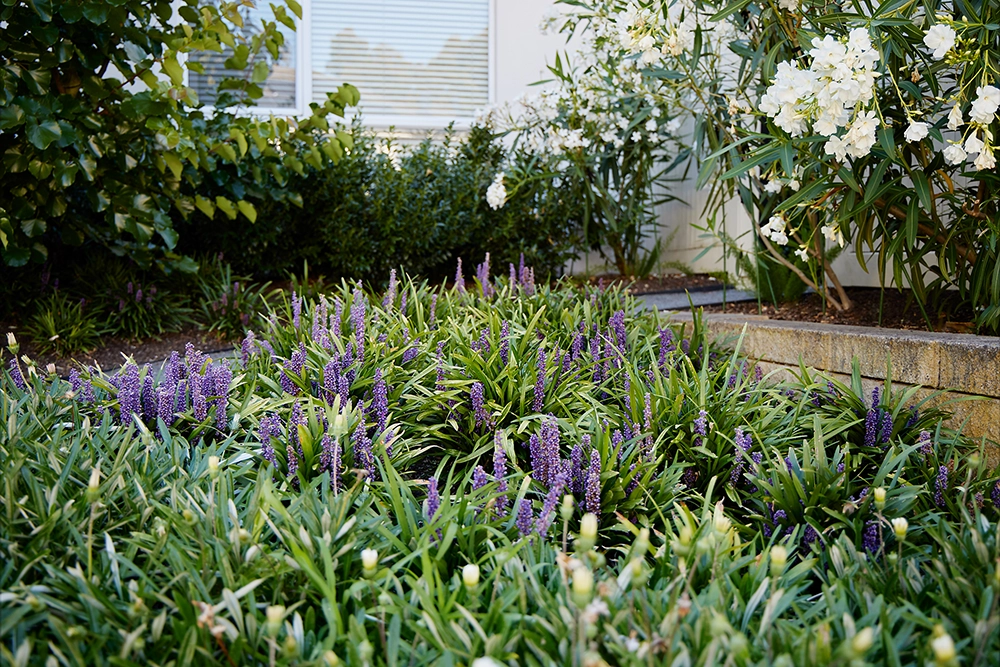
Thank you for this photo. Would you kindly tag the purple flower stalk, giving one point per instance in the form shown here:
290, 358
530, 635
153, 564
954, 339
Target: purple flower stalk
293, 467
247, 347
743, 444
358, 307
666, 345
700, 427
199, 403
512, 281
926, 446
476, 396
193, 359
941, 486
329, 461
363, 456
433, 498
293, 367
149, 403
525, 517
540, 382
995, 495
549, 451
522, 276
380, 402
75, 382
223, 378
576, 469
432, 319
546, 515
483, 276
479, 480
129, 394
871, 427
505, 342
592, 493
617, 325
870, 538
886, 432
296, 310
165, 407
440, 367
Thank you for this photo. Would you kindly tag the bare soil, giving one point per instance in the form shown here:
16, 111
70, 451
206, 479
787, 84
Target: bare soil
670, 282
872, 307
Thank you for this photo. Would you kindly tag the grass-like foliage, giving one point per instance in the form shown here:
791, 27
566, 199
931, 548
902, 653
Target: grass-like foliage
494, 473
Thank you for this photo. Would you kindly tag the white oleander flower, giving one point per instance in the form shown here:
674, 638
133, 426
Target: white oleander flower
954, 154
985, 106
985, 159
916, 131
803, 253
940, 39
837, 147
496, 194
773, 186
955, 119
651, 125
789, 5
833, 234
973, 144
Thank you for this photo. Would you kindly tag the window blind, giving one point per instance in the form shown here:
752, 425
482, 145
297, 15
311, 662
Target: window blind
407, 57
278, 88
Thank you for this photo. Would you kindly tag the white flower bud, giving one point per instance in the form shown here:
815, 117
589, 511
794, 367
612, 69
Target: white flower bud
583, 586
588, 526
470, 575
274, 614
899, 527
880, 498
566, 509
779, 557
94, 485
369, 561
863, 641
944, 649
213, 465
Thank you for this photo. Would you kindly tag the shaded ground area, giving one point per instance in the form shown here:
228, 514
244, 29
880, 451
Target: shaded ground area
113, 351
873, 307
654, 284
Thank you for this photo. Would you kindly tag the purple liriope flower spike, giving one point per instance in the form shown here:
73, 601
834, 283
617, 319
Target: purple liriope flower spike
871, 427
402, 302
926, 447
336, 317
870, 538
505, 342
539, 401
247, 348
165, 407
440, 367
75, 381
476, 396
512, 281
576, 462
521, 271
193, 358
547, 513
700, 427
296, 310
886, 432
329, 461
479, 480
129, 394
617, 325
459, 279
499, 472
432, 318
433, 501
149, 403
550, 449
363, 456
293, 467
199, 402
941, 486
538, 461
911, 421
592, 492
875, 398
995, 495
633, 483
223, 378
390, 294
525, 517
358, 307
380, 402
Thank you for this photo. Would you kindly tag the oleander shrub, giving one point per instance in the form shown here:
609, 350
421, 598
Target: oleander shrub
490, 473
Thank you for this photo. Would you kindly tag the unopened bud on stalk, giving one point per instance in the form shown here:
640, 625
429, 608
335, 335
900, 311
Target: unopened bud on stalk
330, 659
880, 498
470, 576
366, 650
588, 532
94, 486
369, 561
899, 527
274, 614
943, 646
339, 424
641, 545
779, 557
862, 641
12, 343
50, 369
213, 466
583, 586
566, 509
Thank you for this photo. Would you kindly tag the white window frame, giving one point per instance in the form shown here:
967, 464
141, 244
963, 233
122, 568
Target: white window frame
304, 82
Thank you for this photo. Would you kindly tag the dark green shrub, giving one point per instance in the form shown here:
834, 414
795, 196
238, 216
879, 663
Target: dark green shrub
229, 305
421, 208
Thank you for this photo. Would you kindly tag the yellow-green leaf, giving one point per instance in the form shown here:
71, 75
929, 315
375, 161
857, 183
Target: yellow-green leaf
247, 209
226, 207
173, 69
241, 139
173, 163
205, 206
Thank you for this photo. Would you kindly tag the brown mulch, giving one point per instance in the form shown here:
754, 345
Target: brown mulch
897, 311
113, 351
669, 282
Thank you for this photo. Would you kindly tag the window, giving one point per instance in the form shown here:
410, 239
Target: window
417, 63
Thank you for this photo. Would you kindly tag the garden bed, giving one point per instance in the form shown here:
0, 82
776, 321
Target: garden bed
514, 475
